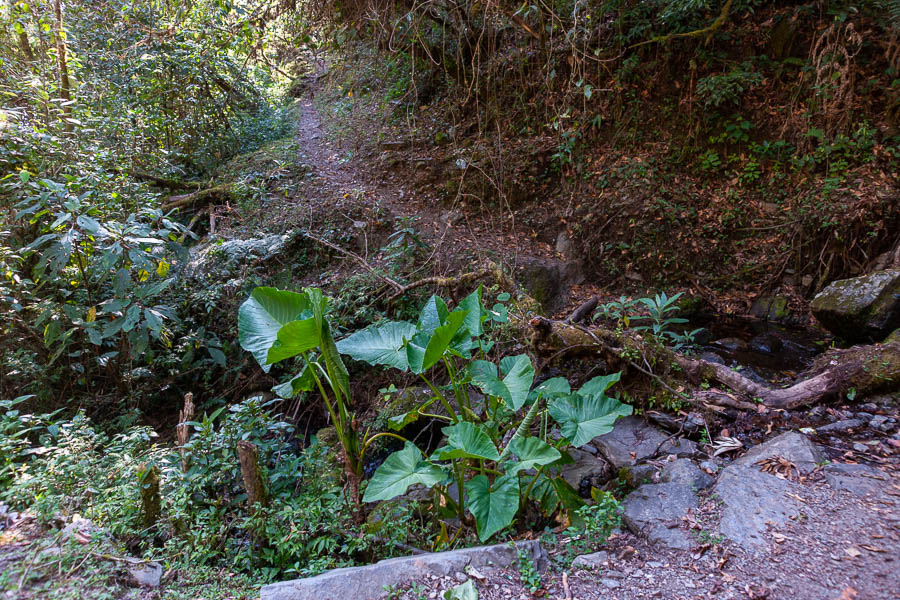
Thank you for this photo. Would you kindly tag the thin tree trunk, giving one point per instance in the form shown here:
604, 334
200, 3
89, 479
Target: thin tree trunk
248, 455
183, 430
65, 88
21, 36
151, 501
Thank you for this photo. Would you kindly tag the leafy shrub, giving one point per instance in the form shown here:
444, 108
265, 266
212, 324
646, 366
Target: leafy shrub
717, 90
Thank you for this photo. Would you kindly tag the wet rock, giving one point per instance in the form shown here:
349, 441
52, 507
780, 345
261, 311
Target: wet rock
548, 280
633, 439
860, 480
686, 472
712, 357
861, 308
651, 510
766, 343
368, 582
591, 561
141, 573
795, 447
772, 308
753, 500
841, 426
586, 471
731, 344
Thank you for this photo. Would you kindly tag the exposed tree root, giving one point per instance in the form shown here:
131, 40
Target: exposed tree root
867, 369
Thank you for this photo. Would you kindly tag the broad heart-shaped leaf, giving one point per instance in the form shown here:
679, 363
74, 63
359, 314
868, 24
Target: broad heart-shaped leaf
380, 345
401, 470
261, 316
292, 339
467, 440
582, 419
551, 388
598, 385
513, 388
441, 338
531, 451
433, 315
476, 313
493, 506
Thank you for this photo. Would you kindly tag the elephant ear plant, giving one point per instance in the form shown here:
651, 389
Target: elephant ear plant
498, 454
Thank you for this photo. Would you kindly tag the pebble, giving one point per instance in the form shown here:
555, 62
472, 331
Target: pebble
857, 447
869, 407
840, 426
610, 583
461, 577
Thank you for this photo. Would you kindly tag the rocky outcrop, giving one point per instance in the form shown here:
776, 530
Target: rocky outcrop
860, 309
549, 280
655, 511
369, 582
633, 440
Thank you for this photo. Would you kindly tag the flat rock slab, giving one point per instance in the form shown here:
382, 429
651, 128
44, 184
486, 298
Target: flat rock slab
633, 439
368, 582
753, 501
793, 446
655, 511
861, 480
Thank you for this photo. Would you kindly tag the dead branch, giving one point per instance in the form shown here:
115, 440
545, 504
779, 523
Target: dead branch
201, 197
165, 182
867, 369
460, 280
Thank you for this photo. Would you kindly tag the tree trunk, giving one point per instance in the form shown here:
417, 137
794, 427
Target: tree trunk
865, 369
21, 36
248, 455
64, 85
151, 501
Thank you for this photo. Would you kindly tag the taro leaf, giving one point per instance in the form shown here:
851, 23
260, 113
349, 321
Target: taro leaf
551, 388
401, 470
337, 371
262, 315
493, 506
599, 385
476, 313
567, 495
303, 382
532, 452
582, 419
467, 440
463, 591
400, 421
292, 339
381, 345
441, 338
432, 315
513, 388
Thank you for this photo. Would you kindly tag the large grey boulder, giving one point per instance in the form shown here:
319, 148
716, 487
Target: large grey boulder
861, 308
752, 502
143, 573
793, 446
683, 470
654, 511
369, 582
633, 439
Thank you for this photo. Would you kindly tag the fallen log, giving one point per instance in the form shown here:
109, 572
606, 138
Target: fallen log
866, 369
165, 182
217, 193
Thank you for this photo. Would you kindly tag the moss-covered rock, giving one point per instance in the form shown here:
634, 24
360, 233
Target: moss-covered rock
860, 309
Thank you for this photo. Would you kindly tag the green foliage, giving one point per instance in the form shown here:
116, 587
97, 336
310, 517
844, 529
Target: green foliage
716, 90
659, 311
528, 573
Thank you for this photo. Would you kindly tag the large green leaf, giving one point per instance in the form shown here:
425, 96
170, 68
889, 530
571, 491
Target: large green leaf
292, 339
303, 382
433, 315
337, 371
401, 470
551, 388
513, 388
532, 452
467, 440
441, 338
599, 385
381, 345
584, 418
476, 313
494, 507
262, 315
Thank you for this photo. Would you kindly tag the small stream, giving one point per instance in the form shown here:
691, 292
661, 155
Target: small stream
765, 352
